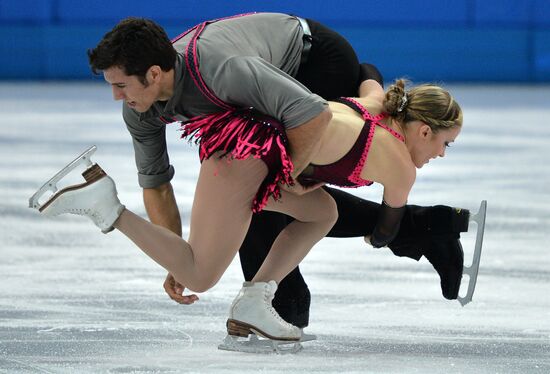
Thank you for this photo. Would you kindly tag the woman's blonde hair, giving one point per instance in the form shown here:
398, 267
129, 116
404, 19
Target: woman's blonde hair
427, 103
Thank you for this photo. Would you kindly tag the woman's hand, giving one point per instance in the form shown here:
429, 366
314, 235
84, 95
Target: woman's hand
300, 189
174, 289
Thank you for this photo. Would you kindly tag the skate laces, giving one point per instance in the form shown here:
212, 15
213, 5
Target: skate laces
88, 212
269, 296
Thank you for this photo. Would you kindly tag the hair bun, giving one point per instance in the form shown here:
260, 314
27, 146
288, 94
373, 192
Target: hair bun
396, 99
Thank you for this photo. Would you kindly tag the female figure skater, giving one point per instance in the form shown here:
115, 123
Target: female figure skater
378, 137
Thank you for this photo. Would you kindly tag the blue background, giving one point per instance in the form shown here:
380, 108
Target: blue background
426, 40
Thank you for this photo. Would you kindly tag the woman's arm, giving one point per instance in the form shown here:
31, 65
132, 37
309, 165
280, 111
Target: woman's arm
397, 186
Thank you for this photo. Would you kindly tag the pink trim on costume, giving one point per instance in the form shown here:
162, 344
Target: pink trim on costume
214, 20
355, 176
242, 137
391, 131
273, 189
374, 119
364, 111
235, 133
183, 34
195, 73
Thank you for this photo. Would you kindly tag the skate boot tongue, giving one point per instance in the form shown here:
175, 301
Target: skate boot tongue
272, 285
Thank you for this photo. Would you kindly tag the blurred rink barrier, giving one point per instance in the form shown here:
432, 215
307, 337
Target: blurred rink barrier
426, 40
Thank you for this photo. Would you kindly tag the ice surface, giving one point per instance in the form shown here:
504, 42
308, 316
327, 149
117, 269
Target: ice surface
73, 300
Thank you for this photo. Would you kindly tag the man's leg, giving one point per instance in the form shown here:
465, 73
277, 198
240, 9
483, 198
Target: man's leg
332, 71
433, 232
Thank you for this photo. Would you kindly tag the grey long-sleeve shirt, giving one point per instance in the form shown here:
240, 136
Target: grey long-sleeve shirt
246, 61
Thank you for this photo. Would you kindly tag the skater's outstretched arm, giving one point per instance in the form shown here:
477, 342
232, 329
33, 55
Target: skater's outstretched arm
162, 210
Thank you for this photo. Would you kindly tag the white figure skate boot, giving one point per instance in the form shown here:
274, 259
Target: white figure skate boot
252, 313
96, 199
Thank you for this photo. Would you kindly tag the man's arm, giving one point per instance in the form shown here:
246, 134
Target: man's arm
304, 140
162, 209
154, 175
251, 81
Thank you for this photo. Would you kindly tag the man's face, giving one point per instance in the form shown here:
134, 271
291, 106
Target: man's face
129, 88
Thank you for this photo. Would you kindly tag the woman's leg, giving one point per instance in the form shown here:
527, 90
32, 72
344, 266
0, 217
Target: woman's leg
219, 220
292, 298
221, 214
315, 213
264, 229
356, 216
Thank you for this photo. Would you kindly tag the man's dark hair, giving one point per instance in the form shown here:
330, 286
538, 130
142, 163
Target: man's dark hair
134, 44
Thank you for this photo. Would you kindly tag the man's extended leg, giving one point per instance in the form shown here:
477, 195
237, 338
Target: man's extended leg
433, 232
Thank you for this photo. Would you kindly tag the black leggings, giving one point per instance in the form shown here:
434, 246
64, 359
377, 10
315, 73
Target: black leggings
332, 69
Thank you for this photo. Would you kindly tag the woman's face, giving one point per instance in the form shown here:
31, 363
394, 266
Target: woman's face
425, 145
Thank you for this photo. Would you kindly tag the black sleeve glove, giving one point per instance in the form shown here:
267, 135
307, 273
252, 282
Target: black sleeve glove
387, 226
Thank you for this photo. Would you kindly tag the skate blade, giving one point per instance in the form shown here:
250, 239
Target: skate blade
51, 185
255, 344
473, 269
307, 337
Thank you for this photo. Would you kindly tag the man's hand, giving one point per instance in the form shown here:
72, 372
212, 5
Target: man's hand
175, 290
162, 210
300, 189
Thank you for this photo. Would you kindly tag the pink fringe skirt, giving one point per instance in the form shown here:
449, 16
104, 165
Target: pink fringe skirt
241, 134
